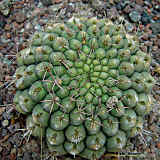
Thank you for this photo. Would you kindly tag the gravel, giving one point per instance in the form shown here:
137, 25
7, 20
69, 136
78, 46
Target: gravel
19, 19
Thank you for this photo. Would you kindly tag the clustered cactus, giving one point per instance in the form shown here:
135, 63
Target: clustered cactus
85, 86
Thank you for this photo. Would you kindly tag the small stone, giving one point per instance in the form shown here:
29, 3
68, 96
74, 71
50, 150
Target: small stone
112, 13
158, 145
127, 9
5, 123
140, 2
134, 16
42, 21
22, 30
146, 18
143, 48
154, 48
4, 132
2, 109
8, 35
148, 43
147, 3
37, 27
46, 2
37, 12
20, 17
111, 1
145, 36
155, 28
7, 27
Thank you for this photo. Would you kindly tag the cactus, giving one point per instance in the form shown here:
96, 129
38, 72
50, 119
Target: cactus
85, 85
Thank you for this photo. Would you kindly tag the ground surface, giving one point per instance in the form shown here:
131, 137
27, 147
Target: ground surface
20, 18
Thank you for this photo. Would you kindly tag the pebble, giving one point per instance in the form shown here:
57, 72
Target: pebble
59, 1
4, 132
146, 18
127, 9
145, 36
46, 2
155, 28
37, 27
158, 92
147, 3
38, 12
140, 2
6, 12
154, 48
137, 8
97, 4
112, 13
134, 16
40, 5
8, 35
20, 17
22, 30
158, 145
43, 21
5, 123
7, 27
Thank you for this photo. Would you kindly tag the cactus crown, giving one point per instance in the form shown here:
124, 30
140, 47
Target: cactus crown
85, 86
